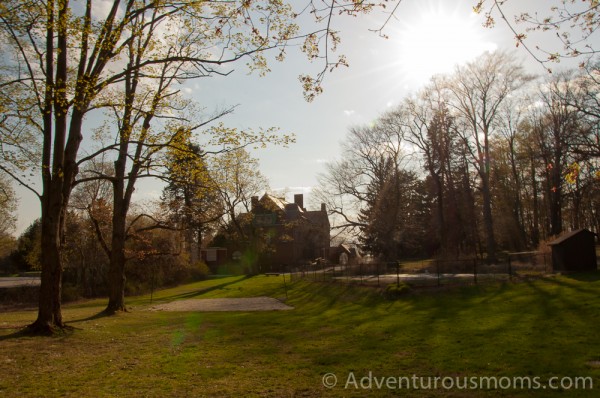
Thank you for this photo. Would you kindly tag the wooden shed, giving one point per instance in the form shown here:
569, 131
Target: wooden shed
574, 251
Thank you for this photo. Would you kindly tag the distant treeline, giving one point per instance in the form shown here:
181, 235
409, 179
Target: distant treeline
485, 159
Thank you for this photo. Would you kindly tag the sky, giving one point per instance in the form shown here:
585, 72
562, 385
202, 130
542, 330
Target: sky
427, 37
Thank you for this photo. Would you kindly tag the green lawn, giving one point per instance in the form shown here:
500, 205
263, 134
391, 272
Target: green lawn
545, 328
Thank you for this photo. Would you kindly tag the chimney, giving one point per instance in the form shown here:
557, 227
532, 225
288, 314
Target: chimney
323, 208
254, 203
299, 200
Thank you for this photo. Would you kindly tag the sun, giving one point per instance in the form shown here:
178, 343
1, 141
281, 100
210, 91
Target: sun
436, 40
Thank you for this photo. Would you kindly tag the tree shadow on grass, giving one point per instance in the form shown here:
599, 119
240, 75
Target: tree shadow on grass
68, 330
196, 293
584, 277
99, 315
182, 296
28, 332
16, 335
577, 281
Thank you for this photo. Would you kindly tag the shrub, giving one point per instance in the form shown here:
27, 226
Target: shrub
199, 271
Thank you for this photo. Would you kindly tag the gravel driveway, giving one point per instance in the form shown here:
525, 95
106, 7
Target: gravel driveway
225, 304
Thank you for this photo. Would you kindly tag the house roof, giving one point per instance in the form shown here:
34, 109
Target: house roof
292, 210
316, 216
279, 203
569, 235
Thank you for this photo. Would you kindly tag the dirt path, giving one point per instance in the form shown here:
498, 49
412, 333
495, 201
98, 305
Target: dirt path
225, 304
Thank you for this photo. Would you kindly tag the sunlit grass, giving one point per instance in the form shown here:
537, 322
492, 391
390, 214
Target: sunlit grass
541, 328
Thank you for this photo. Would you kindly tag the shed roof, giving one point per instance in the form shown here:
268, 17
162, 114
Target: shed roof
569, 235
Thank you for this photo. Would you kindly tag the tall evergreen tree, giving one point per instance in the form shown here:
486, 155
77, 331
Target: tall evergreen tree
191, 198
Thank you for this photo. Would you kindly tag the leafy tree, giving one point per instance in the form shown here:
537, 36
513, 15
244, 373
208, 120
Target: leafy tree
28, 255
396, 222
237, 180
190, 198
63, 62
381, 215
8, 207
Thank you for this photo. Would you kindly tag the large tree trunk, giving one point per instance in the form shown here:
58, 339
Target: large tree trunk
55, 164
116, 269
49, 310
122, 193
116, 279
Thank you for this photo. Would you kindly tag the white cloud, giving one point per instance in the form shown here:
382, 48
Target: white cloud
349, 112
293, 190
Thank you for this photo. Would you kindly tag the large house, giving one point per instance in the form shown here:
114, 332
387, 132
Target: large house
280, 235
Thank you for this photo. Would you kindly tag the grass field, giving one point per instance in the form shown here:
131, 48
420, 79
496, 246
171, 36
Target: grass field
544, 328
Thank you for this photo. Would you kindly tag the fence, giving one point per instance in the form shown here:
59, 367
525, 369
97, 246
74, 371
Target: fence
428, 272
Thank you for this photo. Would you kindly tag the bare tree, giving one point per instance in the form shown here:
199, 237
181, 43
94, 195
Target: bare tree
431, 129
477, 91
344, 187
237, 178
583, 94
556, 126
510, 119
368, 175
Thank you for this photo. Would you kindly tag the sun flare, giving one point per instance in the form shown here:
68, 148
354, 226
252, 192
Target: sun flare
437, 40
